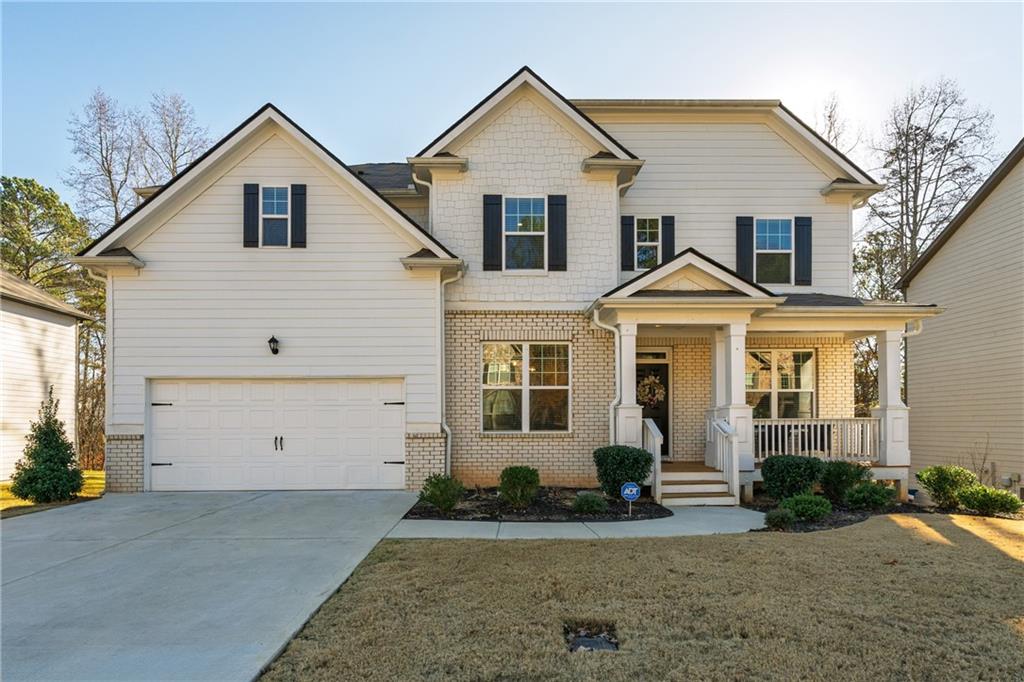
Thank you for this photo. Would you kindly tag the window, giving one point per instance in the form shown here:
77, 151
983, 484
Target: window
534, 400
773, 250
525, 234
274, 216
648, 243
780, 383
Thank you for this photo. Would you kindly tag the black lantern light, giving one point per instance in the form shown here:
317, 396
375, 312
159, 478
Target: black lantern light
273, 343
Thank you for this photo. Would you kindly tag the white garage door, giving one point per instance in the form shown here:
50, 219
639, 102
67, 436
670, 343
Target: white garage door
276, 435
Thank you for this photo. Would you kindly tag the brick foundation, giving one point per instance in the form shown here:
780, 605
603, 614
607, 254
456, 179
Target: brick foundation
124, 460
424, 455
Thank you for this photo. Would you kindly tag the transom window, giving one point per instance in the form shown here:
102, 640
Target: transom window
274, 216
534, 400
525, 233
773, 250
780, 383
648, 243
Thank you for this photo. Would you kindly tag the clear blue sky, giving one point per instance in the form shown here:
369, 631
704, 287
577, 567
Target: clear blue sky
376, 83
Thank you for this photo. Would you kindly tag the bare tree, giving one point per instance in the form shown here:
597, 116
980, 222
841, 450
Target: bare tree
169, 138
831, 125
104, 147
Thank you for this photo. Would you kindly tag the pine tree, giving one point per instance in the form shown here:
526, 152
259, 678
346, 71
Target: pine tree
49, 471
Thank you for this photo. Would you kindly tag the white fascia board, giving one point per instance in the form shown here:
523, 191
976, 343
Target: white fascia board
821, 147
696, 261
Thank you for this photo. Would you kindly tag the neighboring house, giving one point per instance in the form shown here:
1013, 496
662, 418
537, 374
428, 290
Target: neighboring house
495, 301
40, 350
965, 372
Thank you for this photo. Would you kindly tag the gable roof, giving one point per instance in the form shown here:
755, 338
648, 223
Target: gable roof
989, 186
268, 112
385, 176
15, 288
690, 256
526, 75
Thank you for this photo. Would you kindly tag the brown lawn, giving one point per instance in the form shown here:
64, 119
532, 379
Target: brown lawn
896, 597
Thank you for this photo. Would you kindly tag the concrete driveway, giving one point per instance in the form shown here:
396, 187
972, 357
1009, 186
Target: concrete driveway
177, 585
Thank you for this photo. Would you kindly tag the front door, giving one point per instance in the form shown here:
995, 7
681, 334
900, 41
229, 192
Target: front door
653, 408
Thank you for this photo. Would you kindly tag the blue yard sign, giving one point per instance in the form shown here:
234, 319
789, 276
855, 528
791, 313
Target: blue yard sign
630, 492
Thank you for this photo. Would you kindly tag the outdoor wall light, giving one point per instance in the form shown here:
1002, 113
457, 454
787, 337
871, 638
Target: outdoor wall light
273, 343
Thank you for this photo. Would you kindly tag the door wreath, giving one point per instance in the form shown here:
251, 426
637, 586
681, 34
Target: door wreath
650, 392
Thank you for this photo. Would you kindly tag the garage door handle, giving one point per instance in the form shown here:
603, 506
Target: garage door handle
161, 464
275, 443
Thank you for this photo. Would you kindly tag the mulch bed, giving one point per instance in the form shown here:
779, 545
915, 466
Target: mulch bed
552, 504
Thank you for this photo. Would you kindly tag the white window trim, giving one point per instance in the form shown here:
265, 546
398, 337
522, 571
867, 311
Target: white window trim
791, 251
505, 233
525, 387
287, 217
773, 391
637, 243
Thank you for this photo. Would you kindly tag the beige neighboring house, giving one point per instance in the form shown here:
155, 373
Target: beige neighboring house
40, 350
965, 371
544, 278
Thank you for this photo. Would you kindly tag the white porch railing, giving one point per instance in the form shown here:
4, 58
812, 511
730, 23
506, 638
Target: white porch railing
846, 439
721, 453
652, 440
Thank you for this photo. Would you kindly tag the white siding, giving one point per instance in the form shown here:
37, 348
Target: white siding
39, 350
204, 306
706, 174
966, 369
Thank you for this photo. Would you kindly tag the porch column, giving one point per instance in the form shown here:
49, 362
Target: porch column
718, 369
628, 415
734, 408
892, 413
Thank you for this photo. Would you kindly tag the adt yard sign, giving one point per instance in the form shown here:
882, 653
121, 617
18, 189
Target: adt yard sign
630, 492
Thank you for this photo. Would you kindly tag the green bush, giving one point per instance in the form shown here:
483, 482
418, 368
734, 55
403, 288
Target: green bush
788, 475
873, 496
945, 482
618, 464
839, 478
989, 501
779, 519
48, 471
807, 507
444, 492
519, 485
589, 503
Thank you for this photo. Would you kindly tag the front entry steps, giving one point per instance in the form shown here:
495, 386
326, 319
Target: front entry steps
692, 484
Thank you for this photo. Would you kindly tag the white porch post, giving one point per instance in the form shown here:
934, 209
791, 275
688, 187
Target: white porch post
718, 369
734, 406
893, 414
628, 415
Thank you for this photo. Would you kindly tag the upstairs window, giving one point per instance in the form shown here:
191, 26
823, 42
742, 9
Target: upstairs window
773, 250
648, 243
525, 233
274, 216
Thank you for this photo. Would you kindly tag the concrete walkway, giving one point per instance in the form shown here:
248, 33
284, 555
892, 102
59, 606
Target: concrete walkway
183, 586
684, 521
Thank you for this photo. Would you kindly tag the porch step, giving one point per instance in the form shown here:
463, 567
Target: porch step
699, 486
691, 476
697, 499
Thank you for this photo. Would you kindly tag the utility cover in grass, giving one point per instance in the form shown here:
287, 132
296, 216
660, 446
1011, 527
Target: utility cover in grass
591, 637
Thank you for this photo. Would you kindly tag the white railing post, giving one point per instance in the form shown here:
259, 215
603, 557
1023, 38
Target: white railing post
725, 447
652, 441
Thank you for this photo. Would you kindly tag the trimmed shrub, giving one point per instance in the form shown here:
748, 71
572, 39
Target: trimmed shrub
945, 482
444, 492
519, 485
807, 507
989, 501
48, 471
779, 519
873, 496
788, 475
589, 503
839, 478
618, 464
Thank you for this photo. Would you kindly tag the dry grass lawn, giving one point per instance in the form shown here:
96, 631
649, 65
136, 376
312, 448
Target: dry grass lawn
95, 482
924, 597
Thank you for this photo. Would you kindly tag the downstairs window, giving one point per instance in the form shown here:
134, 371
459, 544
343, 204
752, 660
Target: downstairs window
780, 383
533, 400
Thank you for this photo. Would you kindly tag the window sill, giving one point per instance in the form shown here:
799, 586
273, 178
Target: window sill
524, 434
525, 273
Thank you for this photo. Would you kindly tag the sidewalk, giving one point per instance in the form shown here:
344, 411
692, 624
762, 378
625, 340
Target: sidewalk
684, 521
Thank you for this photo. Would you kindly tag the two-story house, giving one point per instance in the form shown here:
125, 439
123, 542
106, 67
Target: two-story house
544, 278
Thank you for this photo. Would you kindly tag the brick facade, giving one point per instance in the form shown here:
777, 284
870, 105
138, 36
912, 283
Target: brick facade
124, 460
424, 455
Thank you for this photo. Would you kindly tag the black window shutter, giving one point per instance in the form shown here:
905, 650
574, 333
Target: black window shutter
627, 242
668, 237
802, 248
492, 232
251, 216
298, 216
745, 247
556, 232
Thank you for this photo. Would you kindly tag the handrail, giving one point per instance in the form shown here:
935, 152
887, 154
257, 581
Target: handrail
652, 440
722, 453
855, 439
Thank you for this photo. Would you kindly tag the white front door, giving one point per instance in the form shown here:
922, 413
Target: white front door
276, 434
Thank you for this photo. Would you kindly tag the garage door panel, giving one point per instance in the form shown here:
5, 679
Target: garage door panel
220, 435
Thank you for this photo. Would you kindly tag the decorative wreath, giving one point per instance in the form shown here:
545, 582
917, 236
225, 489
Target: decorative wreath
650, 392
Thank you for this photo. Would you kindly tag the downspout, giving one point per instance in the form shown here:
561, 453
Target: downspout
444, 380
596, 319
430, 201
